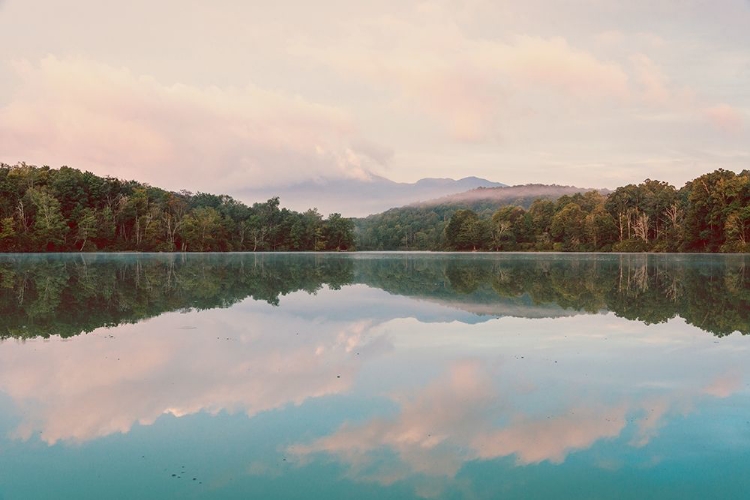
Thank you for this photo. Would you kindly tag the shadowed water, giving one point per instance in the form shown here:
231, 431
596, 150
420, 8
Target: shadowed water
374, 376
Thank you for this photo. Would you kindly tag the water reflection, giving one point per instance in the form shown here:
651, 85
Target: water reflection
64, 295
424, 366
250, 361
43, 295
474, 411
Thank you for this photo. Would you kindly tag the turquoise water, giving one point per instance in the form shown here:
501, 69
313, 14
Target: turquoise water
374, 376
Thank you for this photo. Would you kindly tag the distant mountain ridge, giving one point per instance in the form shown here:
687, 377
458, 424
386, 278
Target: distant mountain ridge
521, 195
359, 198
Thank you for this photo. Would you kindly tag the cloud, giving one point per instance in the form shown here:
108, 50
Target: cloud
725, 118
446, 411
725, 385
464, 416
534, 441
504, 94
454, 420
96, 385
377, 152
472, 86
652, 80
89, 115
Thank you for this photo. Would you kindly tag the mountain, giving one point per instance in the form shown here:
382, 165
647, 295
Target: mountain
358, 198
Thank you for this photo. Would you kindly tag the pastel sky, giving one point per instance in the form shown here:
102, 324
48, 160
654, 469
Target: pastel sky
229, 94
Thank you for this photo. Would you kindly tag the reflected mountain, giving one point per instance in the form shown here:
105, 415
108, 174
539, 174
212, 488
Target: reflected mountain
65, 295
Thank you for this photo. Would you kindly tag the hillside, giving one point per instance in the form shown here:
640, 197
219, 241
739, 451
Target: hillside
492, 198
420, 226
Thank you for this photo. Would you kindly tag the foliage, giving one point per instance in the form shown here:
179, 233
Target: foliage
709, 214
43, 209
64, 210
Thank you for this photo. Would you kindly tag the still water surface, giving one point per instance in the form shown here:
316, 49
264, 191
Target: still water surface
374, 376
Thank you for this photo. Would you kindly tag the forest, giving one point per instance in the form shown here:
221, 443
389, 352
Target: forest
67, 210
64, 210
708, 214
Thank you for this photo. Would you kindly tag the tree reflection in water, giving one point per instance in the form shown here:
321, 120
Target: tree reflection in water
65, 295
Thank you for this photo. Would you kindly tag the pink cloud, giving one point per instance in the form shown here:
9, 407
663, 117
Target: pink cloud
454, 420
534, 441
472, 86
93, 116
553, 62
724, 385
94, 386
464, 416
725, 118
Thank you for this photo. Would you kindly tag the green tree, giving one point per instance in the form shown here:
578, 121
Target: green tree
338, 232
600, 229
466, 231
87, 229
201, 230
567, 228
509, 228
50, 227
7, 234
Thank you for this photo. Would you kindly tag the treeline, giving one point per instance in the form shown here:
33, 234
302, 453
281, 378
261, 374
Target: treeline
708, 214
422, 226
63, 210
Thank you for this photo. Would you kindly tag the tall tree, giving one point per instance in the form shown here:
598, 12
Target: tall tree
50, 227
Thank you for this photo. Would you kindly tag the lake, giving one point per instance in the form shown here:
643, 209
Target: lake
374, 375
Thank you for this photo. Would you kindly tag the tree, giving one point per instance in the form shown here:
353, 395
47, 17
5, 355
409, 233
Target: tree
600, 229
737, 230
509, 228
621, 205
7, 234
201, 230
106, 228
710, 199
466, 231
50, 227
540, 215
87, 228
567, 228
338, 232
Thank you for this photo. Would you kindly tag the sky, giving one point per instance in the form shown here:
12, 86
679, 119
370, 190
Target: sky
228, 95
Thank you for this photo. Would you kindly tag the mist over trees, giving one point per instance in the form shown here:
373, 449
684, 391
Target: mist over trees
61, 210
421, 226
709, 214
